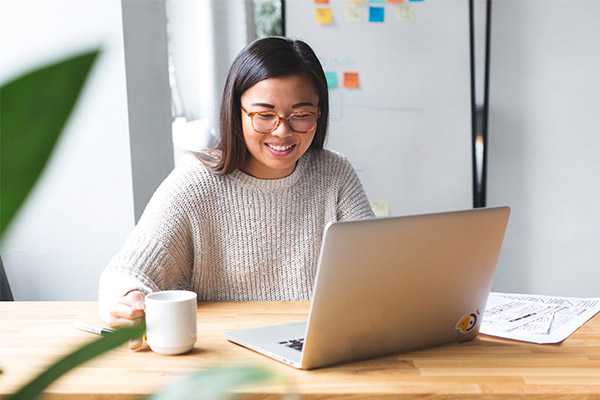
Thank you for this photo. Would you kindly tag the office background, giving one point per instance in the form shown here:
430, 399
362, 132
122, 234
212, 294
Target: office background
542, 135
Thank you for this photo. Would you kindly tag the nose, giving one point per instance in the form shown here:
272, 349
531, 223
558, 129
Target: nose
283, 130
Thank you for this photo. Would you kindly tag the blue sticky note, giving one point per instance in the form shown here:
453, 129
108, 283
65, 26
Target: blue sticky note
415, 0
331, 77
376, 14
376, 1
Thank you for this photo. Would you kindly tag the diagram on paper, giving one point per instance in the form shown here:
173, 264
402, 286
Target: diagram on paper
538, 319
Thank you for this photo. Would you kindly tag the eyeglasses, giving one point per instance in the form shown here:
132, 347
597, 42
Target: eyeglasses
267, 121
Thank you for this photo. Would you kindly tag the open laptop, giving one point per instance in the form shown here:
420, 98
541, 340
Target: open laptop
391, 285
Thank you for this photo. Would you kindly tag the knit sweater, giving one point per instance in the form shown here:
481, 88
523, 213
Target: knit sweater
236, 237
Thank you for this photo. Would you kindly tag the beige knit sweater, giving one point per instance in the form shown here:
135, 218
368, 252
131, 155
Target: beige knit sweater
236, 237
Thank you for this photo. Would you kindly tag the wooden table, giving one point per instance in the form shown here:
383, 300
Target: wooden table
33, 334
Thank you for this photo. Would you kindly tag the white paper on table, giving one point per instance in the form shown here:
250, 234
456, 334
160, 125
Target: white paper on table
534, 318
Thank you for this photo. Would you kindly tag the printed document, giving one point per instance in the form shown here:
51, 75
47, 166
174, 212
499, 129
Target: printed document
537, 319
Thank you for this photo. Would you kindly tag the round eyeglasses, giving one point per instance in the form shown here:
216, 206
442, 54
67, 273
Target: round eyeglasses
268, 121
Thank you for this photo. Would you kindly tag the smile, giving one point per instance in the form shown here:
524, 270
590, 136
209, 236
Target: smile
279, 148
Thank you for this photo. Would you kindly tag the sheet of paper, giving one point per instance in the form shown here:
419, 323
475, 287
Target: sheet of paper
537, 319
354, 12
405, 13
381, 208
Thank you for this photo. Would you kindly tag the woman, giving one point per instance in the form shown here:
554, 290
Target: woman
244, 221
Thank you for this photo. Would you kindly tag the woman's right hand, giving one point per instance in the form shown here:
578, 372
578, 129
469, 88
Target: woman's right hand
129, 311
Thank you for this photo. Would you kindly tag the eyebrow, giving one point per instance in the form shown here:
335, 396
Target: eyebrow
263, 105
306, 103
266, 105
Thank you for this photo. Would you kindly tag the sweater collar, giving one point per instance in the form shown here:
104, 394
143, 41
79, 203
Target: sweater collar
244, 179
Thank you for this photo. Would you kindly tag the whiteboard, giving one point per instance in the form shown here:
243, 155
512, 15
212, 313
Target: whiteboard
544, 144
407, 127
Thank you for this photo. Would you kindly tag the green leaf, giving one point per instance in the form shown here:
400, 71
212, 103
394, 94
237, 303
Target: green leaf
88, 351
212, 383
34, 109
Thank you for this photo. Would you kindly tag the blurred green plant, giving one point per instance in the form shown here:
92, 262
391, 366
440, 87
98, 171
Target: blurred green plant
267, 18
213, 383
34, 109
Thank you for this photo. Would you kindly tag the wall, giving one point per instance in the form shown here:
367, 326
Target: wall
82, 209
544, 144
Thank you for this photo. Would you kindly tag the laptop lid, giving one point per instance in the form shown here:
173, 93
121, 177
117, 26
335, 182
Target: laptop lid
391, 285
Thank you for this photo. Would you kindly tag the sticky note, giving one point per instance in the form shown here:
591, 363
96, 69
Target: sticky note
351, 80
331, 77
322, 1
395, 1
354, 1
415, 0
377, 1
354, 13
381, 208
324, 15
376, 14
405, 13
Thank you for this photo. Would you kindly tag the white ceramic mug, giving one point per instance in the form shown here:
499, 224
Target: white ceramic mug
171, 321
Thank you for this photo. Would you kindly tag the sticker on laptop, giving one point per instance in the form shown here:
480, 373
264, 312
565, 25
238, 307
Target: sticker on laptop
467, 322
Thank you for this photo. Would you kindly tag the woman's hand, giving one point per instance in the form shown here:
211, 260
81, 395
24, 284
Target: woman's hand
129, 311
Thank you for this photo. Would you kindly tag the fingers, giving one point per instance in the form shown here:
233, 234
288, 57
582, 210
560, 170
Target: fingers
128, 311
135, 299
136, 344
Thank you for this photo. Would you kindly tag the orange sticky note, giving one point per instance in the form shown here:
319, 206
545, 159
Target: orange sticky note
322, 1
324, 15
395, 1
351, 80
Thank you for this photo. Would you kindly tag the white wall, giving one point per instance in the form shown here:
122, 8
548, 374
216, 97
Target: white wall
82, 209
204, 38
544, 144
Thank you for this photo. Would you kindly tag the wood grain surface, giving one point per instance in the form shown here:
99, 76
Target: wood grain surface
33, 334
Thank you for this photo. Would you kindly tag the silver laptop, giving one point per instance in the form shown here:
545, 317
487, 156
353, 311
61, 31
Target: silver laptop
391, 285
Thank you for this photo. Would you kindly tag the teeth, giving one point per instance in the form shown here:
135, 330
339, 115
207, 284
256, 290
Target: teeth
279, 148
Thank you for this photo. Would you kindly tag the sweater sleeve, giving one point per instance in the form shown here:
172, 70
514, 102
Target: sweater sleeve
158, 254
352, 203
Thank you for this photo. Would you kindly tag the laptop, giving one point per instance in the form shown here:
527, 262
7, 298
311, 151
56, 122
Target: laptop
390, 285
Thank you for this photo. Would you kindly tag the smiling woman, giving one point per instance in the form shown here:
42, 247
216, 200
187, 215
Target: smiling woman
275, 147
244, 221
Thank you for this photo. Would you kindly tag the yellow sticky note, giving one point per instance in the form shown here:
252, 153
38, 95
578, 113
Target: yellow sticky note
381, 208
405, 13
324, 15
354, 1
354, 13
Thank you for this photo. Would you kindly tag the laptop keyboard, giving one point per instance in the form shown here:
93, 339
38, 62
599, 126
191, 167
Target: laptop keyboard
295, 344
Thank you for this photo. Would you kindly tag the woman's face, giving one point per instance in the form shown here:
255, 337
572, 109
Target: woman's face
274, 155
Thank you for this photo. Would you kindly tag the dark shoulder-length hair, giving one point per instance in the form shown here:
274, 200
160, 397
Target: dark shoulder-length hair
262, 59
